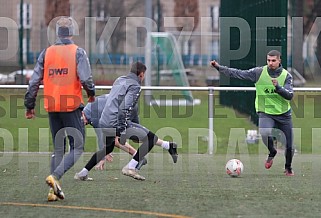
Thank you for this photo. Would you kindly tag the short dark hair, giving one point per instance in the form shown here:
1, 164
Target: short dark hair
138, 67
64, 27
274, 53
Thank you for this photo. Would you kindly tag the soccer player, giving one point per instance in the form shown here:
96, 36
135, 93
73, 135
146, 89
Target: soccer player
91, 115
116, 124
274, 90
63, 68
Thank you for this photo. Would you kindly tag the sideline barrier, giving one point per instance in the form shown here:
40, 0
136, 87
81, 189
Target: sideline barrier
209, 89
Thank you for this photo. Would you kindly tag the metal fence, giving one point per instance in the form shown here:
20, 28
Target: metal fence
210, 91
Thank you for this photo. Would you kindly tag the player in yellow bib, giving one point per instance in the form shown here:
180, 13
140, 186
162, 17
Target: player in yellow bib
274, 91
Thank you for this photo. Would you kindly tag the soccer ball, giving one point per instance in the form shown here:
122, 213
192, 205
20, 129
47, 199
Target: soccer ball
234, 167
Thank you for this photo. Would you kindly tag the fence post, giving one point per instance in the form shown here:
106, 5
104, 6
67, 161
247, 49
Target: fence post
210, 120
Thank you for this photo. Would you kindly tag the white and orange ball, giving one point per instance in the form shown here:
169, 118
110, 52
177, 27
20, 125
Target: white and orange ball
234, 167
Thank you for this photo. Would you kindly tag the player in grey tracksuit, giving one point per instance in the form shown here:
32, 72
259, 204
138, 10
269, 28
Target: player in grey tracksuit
268, 121
92, 113
115, 121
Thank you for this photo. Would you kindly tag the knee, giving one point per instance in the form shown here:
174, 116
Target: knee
78, 150
152, 137
265, 132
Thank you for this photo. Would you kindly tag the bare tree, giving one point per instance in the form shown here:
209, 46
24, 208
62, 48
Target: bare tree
311, 12
186, 8
122, 9
55, 8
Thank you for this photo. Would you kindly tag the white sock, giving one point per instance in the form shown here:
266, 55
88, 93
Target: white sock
83, 172
132, 164
165, 145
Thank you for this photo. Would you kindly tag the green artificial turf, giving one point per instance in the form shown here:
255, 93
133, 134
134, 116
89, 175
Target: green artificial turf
196, 186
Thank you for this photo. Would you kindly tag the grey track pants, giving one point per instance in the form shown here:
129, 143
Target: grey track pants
61, 125
281, 124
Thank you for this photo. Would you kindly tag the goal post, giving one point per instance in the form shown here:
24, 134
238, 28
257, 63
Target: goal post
165, 65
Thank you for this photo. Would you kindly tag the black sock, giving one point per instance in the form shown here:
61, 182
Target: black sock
99, 155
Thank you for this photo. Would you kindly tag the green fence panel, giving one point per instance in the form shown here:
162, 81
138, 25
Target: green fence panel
249, 29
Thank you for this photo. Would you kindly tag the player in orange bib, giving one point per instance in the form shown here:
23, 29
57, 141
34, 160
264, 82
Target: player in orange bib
63, 68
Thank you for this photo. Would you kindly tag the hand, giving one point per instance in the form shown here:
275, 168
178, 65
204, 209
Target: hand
274, 82
214, 63
91, 99
100, 165
30, 114
117, 144
84, 119
120, 141
109, 158
122, 138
